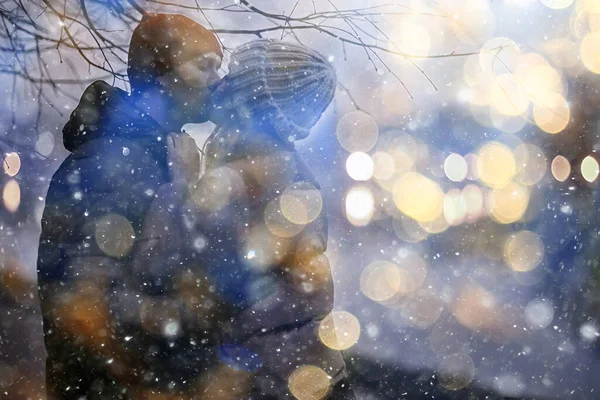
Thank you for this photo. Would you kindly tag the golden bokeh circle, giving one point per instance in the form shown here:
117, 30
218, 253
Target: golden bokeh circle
262, 249
531, 164
114, 235
11, 195
588, 50
498, 56
561, 168
551, 113
383, 165
12, 164
455, 207
309, 382
496, 165
301, 203
278, 223
509, 97
508, 204
339, 330
381, 280
591, 6
418, 197
474, 202
523, 251
472, 21
411, 38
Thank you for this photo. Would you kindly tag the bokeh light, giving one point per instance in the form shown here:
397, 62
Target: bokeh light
455, 207
455, 167
360, 205
383, 165
408, 230
301, 203
12, 164
381, 280
537, 76
472, 21
11, 195
561, 168
360, 166
508, 204
357, 131
557, 4
436, 226
114, 235
497, 55
475, 308
309, 382
262, 249
591, 6
538, 314
473, 200
531, 164
223, 185
523, 251
552, 113
590, 169
418, 197
278, 223
414, 264
339, 330
496, 165
588, 50
509, 97
411, 38
45, 144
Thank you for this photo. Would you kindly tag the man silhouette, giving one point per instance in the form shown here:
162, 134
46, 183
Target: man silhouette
95, 207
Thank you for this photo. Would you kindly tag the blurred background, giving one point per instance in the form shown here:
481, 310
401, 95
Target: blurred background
458, 163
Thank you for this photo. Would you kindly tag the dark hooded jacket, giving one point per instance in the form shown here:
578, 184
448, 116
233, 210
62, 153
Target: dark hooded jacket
91, 223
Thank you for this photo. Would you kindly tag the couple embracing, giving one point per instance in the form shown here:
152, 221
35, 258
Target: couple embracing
164, 274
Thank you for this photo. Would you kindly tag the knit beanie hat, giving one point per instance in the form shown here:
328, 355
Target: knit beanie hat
161, 42
275, 86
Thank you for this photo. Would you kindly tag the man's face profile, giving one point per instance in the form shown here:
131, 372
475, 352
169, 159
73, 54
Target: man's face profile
200, 72
187, 84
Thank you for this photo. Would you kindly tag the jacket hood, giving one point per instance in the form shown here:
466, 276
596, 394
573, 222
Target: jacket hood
106, 111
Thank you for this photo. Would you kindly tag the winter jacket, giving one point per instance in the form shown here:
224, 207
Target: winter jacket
217, 307
272, 273
99, 337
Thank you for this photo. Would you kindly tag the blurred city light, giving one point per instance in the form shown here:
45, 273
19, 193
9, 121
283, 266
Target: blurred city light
360, 166
339, 330
360, 205
12, 164
11, 195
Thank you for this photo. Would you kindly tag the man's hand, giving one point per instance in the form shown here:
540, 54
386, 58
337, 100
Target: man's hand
184, 158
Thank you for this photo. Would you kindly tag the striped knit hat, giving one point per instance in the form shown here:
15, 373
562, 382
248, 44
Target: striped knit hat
274, 86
